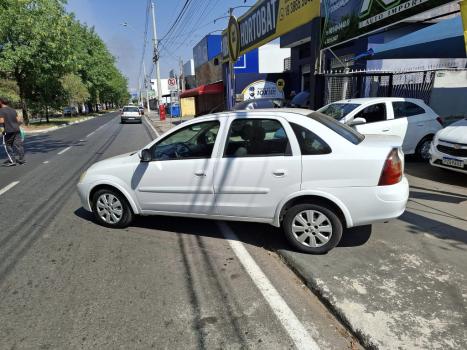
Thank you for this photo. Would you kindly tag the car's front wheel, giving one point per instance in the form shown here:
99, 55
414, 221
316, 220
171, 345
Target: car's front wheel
312, 228
423, 149
111, 209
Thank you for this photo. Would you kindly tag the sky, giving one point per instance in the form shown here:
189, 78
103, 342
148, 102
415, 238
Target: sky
126, 43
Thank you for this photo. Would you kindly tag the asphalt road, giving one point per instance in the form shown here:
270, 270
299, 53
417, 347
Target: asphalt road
165, 283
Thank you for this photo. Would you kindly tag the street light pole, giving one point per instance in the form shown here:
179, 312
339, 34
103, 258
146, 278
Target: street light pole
156, 54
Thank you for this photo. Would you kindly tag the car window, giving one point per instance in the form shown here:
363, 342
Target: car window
257, 138
374, 113
338, 110
406, 109
131, 109
341, 129
194, 141
310, 143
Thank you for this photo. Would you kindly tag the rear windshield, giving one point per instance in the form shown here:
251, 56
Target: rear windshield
343, 130
338, 110
131, 109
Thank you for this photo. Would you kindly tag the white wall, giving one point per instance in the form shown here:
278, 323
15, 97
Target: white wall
164, 86
271, 57
189, 68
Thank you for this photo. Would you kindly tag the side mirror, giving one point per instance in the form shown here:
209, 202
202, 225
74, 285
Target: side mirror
357, 121
145, 155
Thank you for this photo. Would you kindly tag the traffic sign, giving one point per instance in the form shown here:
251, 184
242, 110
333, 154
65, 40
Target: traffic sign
172, 82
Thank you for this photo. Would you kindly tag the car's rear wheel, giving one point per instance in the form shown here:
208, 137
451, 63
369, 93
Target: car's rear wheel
111, 209
312, 228
423, 149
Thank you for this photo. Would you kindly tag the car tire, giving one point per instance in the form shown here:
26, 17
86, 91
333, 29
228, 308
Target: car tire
111, 208
422, 152
301, 222
122, 122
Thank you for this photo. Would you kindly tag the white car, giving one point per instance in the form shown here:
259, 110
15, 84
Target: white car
131, 114
449, 147
410, 119
292, 168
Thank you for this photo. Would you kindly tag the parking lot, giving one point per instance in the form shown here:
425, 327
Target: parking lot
402, 284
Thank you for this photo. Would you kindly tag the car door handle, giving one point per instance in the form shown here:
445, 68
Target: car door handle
385, 130
279, 172
200, 173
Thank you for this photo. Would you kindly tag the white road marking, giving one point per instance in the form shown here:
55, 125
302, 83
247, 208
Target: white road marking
91, 134
46, 162
292, 325
64, 150
9, 187
152, 127
82, 140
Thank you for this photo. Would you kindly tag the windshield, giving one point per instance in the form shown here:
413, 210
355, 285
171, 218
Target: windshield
338, 110
131, 109
343, 130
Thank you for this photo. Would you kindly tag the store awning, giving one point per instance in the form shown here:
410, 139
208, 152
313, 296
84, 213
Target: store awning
441, 40
211, 89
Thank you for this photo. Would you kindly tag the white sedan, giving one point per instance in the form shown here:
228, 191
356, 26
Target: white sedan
449, 147
410, 119
293, 168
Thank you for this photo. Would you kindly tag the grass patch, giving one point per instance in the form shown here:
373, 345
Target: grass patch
59, 121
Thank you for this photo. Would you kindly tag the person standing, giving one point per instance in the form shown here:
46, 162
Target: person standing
11, 135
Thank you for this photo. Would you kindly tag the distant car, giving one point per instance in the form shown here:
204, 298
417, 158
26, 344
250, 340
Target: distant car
410, 119
141, 110
259, 103
449, 147
131, 114
291, 168
70, 111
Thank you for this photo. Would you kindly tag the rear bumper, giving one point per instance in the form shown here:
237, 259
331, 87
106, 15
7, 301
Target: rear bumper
131, 119
368, 205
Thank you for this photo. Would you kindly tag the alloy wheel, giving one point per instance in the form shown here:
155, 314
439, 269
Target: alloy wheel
109, 208
312, 228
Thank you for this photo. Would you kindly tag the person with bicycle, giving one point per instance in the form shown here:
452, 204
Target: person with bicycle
11, 135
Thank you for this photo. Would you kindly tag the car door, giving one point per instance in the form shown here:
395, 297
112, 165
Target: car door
412, 122
376, 116
179, 179
260, 166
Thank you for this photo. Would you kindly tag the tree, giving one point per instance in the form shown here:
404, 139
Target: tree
76, 92
9, 90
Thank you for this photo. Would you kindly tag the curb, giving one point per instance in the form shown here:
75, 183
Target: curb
323, 295
64, 125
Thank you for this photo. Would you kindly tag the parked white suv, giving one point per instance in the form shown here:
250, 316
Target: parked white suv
410, 119
449, 147
131, 114
304, 171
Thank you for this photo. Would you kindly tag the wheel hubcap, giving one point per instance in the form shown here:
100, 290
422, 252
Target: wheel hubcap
425, 150
312, 228
109, 208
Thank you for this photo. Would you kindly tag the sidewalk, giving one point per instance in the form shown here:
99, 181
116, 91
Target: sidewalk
167, 124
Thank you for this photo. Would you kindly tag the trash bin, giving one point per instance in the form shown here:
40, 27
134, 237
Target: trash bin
175, 110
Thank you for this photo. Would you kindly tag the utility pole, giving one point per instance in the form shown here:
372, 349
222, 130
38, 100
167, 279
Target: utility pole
156, 54
145, 86
182, 75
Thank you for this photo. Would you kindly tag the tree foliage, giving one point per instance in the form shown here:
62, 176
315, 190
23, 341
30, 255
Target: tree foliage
54, 59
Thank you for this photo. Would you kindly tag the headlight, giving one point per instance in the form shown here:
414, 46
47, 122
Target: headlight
83, 175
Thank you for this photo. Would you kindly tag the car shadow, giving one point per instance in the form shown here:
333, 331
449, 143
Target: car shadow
261, 235
426, 171
419, 224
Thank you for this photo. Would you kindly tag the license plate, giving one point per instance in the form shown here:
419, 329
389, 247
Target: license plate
453, 162
131, 118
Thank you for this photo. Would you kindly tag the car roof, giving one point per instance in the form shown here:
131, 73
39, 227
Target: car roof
366, 100
300, 112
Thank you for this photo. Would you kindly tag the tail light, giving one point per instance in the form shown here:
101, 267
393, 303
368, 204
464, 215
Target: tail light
392, 170
440, 120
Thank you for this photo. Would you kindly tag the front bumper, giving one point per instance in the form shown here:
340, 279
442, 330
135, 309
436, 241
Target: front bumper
83, 192
437, 157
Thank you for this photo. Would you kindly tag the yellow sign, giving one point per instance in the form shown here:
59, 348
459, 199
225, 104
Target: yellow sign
280, 83
269, 19
234, 42
463, 5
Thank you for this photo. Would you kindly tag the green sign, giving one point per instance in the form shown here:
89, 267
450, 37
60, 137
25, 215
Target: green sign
348, 19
